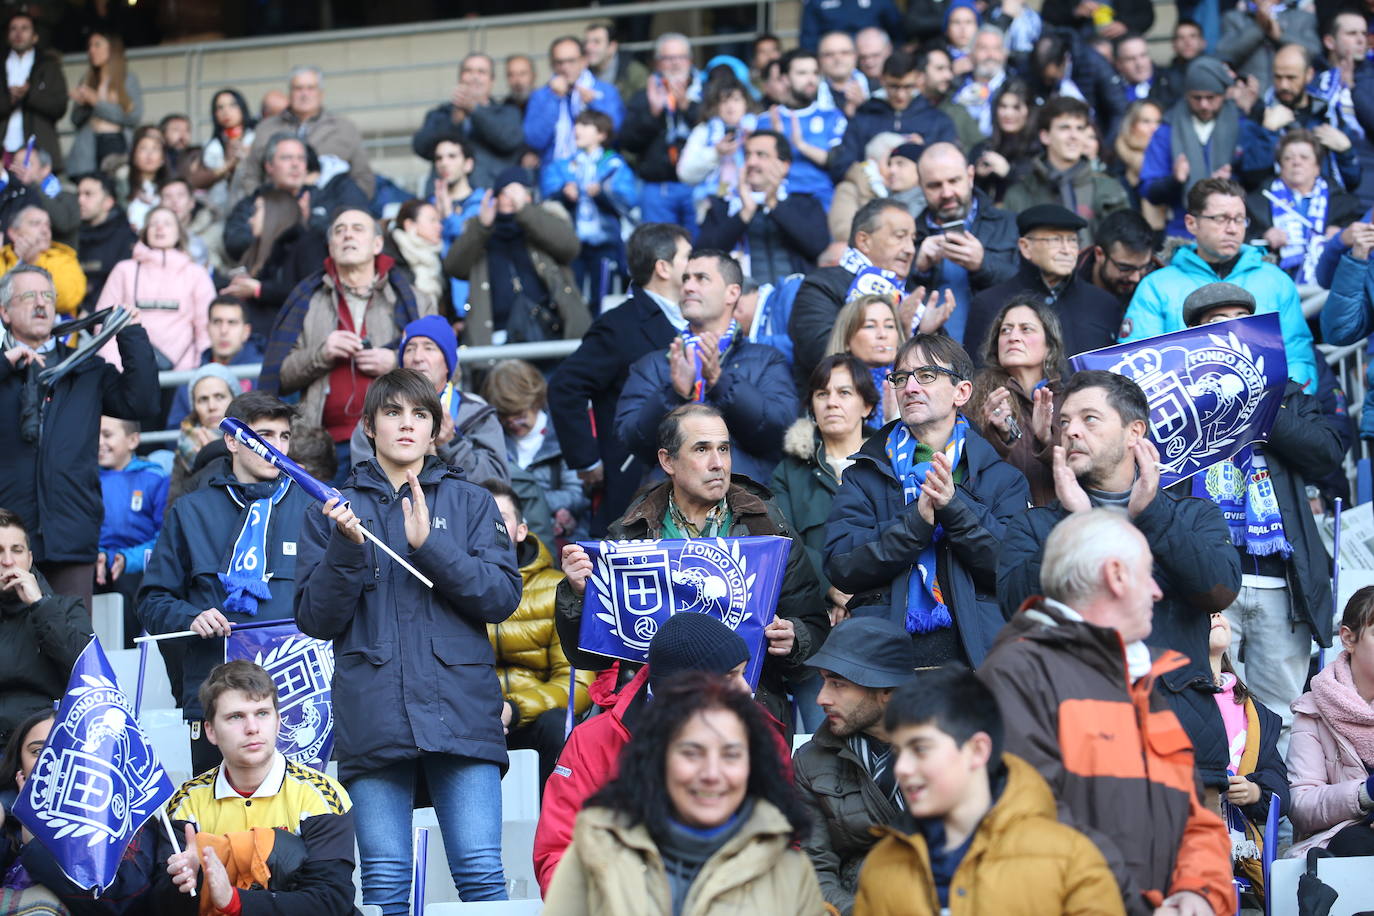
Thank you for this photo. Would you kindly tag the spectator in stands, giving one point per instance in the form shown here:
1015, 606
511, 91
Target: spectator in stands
457, 201
870, 329
1061, 64
29, 242
175, 194
105, 238
107, 104
520, 81
1346, 42
774, 83
872, 47
961, 25
1252, 36
209, 392
900, 508
1137, 78
331, 353
416, 243
37, 175
307, 814
599, 190
975, 89
1105, 460
1048, 243
904, 110
844, 773
492, 130
36, 96
516, 390
937, 87
572, 88
658, 120
198, 577
1122, 257
306, 119
173, 290
712, 159
595, 373
1216, 217
774, 230
986, 824
1126, 156
530, 663
284, 250
285, 160
461, 746
889, 170
137, 180
1330, 765
517, 257
42, 631
134, 491
604, 58
1273, 622
232, 343
1013, 143
842, 86
469, 436
702, 793
1063, 175
1024, 369
1121, 18
233, 130
1187, 43
175, 129
712, 363
848, 16
1083, 645
813, 132
963, 243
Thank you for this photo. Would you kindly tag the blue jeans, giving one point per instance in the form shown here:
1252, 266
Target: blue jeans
668, 202
467, 801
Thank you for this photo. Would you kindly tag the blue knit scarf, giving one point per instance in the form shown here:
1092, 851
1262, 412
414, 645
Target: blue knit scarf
693, 345
246, 580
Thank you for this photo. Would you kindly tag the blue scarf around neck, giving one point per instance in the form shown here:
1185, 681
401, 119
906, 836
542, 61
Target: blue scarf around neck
693, 344
1242, 488
245, 583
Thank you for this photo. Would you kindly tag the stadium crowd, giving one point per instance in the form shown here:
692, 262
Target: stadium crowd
1035, 679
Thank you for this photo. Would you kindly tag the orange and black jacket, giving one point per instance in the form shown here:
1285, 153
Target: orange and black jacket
1113, 752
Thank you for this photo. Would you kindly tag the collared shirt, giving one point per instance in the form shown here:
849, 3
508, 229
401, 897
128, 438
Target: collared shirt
18, 68
670, 310
677, 525
289, 795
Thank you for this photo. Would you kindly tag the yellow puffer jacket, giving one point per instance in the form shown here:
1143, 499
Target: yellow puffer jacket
529, 659
1022, 862
67, 277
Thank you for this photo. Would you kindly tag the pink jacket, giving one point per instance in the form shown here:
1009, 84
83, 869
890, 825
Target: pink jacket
173, 293
1325, 773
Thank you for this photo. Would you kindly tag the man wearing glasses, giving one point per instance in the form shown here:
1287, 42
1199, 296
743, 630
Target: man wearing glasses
1216, 218
48, 471
1090, 317
915, 531
1123, 255
904, 110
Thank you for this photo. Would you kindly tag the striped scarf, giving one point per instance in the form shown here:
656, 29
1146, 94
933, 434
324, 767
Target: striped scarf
693, 343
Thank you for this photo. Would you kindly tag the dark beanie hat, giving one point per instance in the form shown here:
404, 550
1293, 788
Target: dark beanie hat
1206, 74
694, 642
910, 151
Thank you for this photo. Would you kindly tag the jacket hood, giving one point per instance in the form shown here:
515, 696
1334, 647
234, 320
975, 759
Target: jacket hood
382, 265
170, 258
142, 464
1189, 261
368, 475
801, 440
542, 558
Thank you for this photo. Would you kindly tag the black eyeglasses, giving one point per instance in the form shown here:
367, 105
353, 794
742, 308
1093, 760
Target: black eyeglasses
1128, 269
924, 375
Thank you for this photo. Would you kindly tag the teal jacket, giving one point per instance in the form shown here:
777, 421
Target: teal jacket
1157, 306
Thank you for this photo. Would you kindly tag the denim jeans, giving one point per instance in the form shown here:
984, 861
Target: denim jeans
467, 802
668, 202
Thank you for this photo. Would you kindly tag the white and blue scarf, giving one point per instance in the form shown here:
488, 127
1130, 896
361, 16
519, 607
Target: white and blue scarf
724, 179
245, 583
926, 610
693, 345
828, 98
870, 280
569, 107
1306, 231
734, 203
879, 374
1340, 104
586, 169
1242, 488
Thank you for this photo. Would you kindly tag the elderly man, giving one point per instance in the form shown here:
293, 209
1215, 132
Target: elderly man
873, 46
1084, 701
493, 130
658, 120
553, 107
30, 242
977, 87
843, 86
305, 117
47, 191
331, 354
48, 470
915, 532
712, 363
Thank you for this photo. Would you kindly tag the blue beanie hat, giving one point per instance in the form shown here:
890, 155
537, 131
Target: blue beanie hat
692, 641
438, 330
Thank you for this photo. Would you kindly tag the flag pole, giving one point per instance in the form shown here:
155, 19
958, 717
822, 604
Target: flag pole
172, 835
235, 625
1335, 576
391, 553
142, 672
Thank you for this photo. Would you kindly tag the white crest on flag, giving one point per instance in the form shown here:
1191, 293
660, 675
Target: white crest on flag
302, 668
105, 779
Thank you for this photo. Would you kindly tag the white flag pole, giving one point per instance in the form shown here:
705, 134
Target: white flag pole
172, 835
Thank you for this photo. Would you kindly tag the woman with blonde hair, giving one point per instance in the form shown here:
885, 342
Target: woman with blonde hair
108, 103
1142, 119
870, 329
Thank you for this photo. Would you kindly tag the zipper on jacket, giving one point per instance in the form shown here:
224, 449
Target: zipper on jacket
376, 568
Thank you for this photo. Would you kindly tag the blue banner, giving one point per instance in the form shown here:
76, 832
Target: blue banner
1213, 389
303, 669
636, 585
321, 491
97, 781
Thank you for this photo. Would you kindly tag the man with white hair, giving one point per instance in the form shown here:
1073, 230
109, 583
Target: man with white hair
843, 86
658, 120
873, 46
1077, 687
989, 72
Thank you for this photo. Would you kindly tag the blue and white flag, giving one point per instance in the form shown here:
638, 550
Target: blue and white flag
264, 450
1213, 389
302, 667
636, 585
97, 781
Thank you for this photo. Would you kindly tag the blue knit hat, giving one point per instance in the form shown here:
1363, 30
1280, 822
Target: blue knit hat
694, 642
438, 330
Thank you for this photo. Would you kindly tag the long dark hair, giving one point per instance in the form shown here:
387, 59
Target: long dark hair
639, 791
249, 122
9, 763
1024, 144
1055, 367
280, 212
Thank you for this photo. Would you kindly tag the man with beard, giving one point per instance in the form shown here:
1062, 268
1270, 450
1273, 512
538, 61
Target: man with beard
812, 130
963, 243
1136, 75
1123, 255
904, 111
844, 773
937, 79
989, 72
